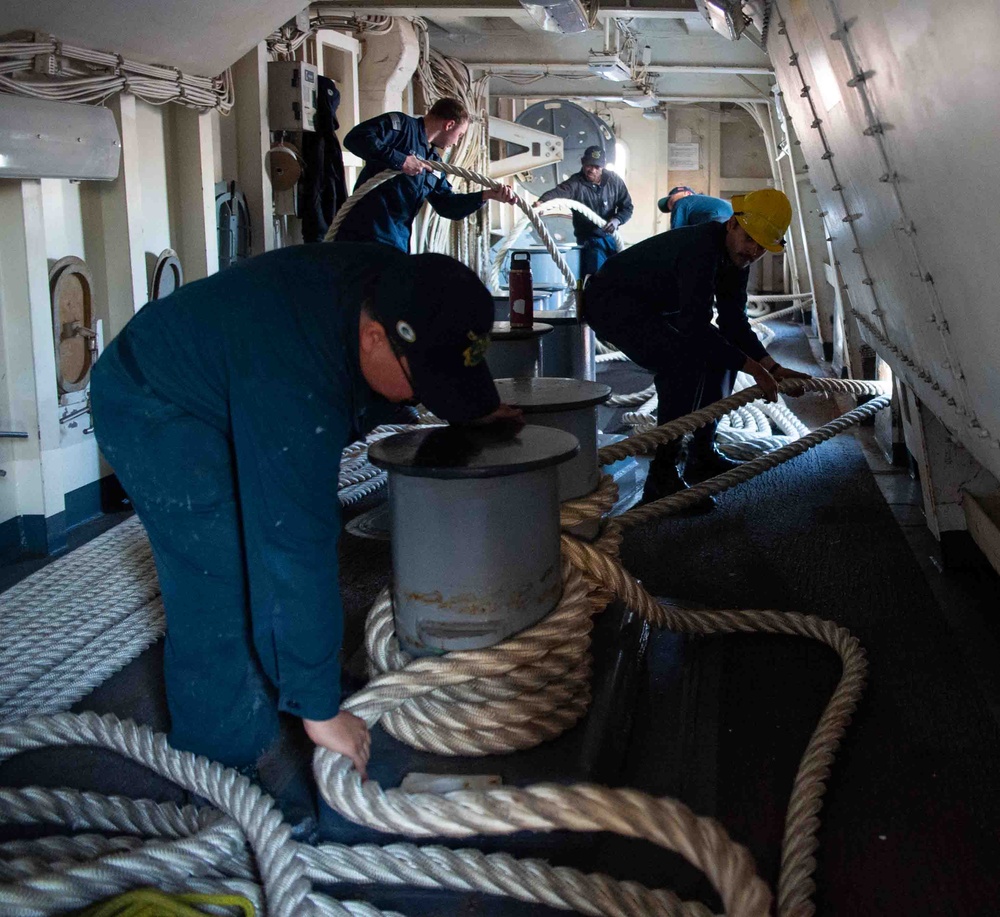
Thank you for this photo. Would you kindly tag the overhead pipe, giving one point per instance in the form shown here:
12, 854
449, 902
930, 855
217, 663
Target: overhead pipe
553, 68
606, 97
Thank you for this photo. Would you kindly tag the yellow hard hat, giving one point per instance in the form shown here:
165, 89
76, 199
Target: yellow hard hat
765, 215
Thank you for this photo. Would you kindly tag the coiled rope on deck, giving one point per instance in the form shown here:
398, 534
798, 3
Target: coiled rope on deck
488, 689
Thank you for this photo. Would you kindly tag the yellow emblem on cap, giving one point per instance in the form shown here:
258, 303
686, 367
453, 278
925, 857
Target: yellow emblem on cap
475, 352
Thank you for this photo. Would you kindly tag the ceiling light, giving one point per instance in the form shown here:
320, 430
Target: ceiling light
558, 15
726, 17
639, 98
609, 67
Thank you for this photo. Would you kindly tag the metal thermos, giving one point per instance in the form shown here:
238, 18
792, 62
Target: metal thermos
521, 296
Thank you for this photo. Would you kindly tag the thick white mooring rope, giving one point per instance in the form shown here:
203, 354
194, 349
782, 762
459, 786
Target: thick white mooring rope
530, 214
468, 703
510, 240
54, 649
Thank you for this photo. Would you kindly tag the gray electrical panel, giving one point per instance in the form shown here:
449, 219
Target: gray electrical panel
291, 96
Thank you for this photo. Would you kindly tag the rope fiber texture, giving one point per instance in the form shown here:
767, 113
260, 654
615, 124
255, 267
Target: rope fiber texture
510, 240
55, 648
526, 689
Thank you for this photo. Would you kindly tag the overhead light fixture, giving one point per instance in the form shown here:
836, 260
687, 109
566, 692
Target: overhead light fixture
639, 98
655, 114
558, 15
725, 16
609, 67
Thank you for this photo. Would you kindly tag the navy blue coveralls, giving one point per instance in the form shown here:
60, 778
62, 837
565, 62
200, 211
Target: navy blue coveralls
699, 208
223, 409
654, 302
609, 199
322, 187
386, 214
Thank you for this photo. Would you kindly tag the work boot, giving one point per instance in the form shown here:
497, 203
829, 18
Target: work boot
664, 479
704, 460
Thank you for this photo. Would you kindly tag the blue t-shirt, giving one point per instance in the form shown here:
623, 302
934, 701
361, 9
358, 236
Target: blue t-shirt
699, 208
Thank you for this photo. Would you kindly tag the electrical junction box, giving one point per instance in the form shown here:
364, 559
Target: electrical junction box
609, 66
291, 96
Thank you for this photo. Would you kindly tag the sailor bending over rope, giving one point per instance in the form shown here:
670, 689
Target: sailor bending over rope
224, 409
654, 302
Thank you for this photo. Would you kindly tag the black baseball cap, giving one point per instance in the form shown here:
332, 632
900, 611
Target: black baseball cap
593, 156
438, 314
663, 201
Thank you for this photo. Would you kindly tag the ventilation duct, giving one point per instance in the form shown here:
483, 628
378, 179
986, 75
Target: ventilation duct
40, 138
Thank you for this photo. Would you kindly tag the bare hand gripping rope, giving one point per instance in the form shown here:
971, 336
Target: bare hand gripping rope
532, 216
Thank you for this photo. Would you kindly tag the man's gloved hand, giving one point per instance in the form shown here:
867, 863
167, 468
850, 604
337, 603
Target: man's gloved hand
611, 225
780, 372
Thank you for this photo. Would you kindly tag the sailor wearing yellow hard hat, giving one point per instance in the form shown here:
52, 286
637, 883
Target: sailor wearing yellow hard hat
765, 216
654, 302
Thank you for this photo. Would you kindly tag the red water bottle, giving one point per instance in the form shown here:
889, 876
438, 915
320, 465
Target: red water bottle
521, 298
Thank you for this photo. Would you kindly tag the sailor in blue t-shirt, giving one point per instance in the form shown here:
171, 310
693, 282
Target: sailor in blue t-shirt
688, 208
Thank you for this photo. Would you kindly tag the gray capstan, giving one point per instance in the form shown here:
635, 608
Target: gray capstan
516, 352
475, 532
564, 404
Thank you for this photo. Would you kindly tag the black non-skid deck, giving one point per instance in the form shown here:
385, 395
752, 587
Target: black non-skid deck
909, 819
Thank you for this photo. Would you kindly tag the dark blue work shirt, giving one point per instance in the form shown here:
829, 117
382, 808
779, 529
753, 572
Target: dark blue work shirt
386, 214
677, 274
608, 198
267, 352
699, 208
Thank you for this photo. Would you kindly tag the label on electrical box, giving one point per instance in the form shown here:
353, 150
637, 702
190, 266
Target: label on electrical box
291, 97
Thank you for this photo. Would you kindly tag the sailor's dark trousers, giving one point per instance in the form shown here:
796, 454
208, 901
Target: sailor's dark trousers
594, 252
179, 473
684, 376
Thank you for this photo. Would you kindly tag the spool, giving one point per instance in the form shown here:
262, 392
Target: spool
570, 351
569, 405
474, 523
515, 352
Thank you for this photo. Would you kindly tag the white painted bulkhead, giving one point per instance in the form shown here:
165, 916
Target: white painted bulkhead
912, 146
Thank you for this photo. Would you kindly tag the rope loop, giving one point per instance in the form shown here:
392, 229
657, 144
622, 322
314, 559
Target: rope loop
525, 690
